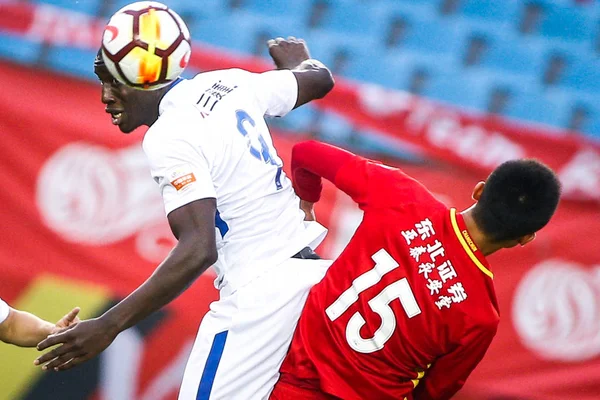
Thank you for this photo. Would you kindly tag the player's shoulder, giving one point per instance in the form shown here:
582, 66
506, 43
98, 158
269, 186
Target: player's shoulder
176, 124
231, 74
402, 190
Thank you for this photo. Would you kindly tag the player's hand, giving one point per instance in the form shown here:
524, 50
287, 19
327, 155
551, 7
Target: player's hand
288, 53
309, 210
68, 320
78, 344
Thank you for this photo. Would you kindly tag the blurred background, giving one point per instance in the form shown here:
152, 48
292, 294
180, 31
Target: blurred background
445, 89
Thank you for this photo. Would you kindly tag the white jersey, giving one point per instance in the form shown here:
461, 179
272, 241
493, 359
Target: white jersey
4, 310
211, 141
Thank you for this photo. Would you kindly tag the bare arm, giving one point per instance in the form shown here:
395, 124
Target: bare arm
27, 330
193, 225
314, 78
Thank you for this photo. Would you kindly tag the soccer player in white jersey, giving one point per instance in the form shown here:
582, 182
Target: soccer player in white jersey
212, 156
27, 330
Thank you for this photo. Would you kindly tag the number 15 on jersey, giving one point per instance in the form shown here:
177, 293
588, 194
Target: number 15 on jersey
380, 304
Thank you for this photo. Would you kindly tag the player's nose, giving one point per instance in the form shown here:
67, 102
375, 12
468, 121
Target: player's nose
107, 94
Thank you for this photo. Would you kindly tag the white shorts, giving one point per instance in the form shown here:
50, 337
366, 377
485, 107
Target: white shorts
245, 336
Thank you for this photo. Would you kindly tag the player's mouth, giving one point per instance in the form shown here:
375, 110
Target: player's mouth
116, 116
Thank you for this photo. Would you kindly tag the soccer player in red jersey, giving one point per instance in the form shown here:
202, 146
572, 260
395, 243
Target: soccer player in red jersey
408, 309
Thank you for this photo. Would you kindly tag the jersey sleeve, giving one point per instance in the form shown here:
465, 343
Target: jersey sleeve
4, 310
181, 169
276, 92
312, 161
367, 182
449, 373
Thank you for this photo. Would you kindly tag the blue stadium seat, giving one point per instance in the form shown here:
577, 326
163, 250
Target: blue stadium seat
298, 9
384, 12
495, 10
592, 129
18, 49
534, 106
324, 45
335, 128
508, 52
591, 103
434, 35
242, 32
382, 71
526, 99
397, 70
583, 73
91, 7
352, 17
409, 8
79, 62
300, 119
200, 9
568, 22
569, 99
203, 10
458, 89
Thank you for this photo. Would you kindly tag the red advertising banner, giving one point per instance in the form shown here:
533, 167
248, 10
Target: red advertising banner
83, 225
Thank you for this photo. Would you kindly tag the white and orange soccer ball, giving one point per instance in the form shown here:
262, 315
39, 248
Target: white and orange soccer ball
146, 45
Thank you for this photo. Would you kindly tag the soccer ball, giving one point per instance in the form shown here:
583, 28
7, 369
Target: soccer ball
146, 45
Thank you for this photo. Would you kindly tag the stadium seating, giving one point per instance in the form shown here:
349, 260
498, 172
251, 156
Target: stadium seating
91, 7
491, 10
568, 22
78, 62
457, 52
583, 73
19, 49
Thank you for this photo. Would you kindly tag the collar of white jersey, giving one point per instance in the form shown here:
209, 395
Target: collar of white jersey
169, 96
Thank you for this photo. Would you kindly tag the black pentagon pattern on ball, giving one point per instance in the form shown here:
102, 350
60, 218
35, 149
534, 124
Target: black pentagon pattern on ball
136, 42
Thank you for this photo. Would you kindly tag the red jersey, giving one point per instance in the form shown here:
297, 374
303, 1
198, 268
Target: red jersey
407, 310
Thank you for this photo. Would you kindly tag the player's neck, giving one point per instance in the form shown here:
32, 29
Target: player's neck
151, 108
477, 235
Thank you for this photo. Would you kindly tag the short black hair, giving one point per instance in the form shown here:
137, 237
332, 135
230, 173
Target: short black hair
518, 199
99, 60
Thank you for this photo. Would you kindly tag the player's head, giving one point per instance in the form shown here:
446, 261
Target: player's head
517, 200
130, 108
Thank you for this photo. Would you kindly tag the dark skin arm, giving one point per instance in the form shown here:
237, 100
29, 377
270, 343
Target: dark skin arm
314, 79
193, 226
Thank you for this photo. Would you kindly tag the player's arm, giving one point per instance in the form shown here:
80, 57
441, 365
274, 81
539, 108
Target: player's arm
314, 79
183, 173
27, 330
449, 373
297, 80
193, 225
312, 161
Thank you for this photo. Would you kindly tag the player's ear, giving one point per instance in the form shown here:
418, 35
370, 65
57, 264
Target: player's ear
526, 239
477, 190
